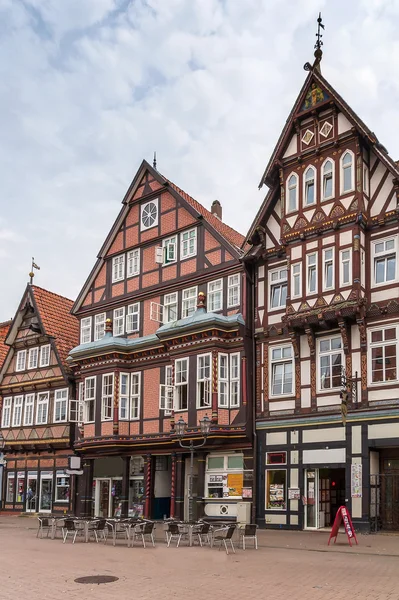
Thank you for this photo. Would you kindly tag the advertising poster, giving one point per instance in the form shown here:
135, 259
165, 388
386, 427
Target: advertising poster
234, 483
356, 481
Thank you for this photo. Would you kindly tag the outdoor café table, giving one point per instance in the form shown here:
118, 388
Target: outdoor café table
189, 528
54, 520
115, 525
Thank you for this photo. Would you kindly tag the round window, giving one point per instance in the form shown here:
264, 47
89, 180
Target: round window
149, 215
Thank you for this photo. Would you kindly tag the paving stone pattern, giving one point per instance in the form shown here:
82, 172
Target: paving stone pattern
288, 565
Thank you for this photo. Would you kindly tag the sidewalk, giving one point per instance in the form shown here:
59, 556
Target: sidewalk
380, 544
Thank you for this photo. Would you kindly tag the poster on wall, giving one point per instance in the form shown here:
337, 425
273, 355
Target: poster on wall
356, 480
234, 484
294, 494
247, 492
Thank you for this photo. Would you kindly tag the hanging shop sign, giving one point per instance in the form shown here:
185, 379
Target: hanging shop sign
356, 480
343, 517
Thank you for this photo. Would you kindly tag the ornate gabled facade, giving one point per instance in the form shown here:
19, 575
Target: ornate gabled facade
36, 385
325, 261
164, 335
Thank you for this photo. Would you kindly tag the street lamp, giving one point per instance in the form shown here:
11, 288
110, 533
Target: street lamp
180, 430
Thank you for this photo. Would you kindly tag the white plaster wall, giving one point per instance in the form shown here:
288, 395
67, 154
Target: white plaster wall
273, 438
330, 434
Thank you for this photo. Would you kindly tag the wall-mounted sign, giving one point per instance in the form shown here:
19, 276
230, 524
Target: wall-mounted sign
247, 492
294, 494
356, 480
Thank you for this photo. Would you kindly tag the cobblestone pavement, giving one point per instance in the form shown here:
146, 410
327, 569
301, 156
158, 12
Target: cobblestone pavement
288, 565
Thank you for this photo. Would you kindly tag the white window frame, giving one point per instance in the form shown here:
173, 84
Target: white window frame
283, 360
382, 344
142, 209
326, 262
185, 244
118, 320
235, 379
233, 290
181, 384
85, 330
186, 309
169, 250
29, 409
33, 357
308, 267
59, 475
90, 398
42, 406
223, 380
290, 187
169, 301
107, 396
61, 397
167, 392
133, 313
118, 268
17, 411
330, 353
213, 293
383, 256
20, 362
6, 412
342, 168
135, 395
44, 359
133, 263
278, 283
99, 326
204, 383
296, 274
305, 182
323, 177
124, 396
342, 282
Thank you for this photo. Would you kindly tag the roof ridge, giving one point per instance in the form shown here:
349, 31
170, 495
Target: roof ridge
34, 286
4, 323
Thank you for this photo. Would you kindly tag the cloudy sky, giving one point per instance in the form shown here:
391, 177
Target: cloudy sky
88, 88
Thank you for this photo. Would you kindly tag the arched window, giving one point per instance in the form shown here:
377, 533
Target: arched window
347, 172
292, 193
310, 176
328, 180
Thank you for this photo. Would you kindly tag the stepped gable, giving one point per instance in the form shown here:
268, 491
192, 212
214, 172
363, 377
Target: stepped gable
54, 311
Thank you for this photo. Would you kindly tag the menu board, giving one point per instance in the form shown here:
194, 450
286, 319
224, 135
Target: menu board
235, 483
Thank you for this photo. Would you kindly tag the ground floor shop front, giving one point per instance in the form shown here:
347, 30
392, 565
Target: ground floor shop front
309, 467
37, 483
159, 486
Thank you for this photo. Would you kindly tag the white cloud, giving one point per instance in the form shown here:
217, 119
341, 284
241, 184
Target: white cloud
90, 87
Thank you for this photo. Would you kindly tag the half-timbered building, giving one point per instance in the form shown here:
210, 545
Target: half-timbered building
164, 336
36, 385
325, 262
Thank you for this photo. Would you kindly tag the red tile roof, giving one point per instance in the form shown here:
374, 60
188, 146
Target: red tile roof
54, 311
4, 327
230, 234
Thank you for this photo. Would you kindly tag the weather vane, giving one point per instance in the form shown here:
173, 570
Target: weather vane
319, 35
33, 266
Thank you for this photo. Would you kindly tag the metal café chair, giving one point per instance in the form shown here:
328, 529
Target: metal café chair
70, 529
202, 532
248, 532
139, 531
98, 529
225, 535
177, 532
120, 528
44, 525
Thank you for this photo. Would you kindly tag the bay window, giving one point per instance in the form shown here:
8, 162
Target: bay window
229, 380
135, 392
89, 399
107, 397
181, 383
330, 363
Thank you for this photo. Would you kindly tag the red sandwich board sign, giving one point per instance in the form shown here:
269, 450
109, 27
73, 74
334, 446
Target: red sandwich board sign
344, 517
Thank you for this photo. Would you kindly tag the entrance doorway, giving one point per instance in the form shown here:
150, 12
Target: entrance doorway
107, 497
46, 491
31, 492
324, 494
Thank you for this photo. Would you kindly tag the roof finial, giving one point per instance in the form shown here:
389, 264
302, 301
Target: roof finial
154, 162
32, 274
318, 53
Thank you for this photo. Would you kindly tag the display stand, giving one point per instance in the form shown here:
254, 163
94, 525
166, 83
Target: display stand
344, 517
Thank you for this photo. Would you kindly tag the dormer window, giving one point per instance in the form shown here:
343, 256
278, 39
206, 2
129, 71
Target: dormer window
310, 176
292, 193
328, 186
347, 173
